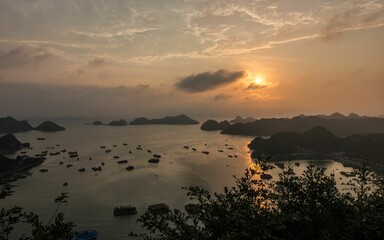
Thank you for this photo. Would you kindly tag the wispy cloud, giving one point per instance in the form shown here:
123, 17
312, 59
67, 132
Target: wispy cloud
24, 56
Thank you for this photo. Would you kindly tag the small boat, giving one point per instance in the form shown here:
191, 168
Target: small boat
122, 161
43, 170
154, 160
129, 168
124, 210
86, 235
40, 138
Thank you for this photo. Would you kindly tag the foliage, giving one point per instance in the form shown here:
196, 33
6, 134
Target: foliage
309, 206
56, 230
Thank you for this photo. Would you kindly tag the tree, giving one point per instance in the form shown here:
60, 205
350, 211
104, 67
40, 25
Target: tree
309, 206
56, 228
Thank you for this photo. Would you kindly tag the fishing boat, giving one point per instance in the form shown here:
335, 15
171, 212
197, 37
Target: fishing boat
124, 210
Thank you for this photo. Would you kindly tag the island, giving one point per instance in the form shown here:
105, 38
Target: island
320, 143
8, 167
171, 120
11, 125
48, 126
97, 123
213, 125
336, 123
9, 144
239, 119
120, 122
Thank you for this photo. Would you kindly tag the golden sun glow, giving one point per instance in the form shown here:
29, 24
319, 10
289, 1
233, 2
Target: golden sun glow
258, 80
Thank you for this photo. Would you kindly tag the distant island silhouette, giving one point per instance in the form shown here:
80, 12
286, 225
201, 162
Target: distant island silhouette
171, 120
11, 125
239, 119
213, 125
97, 123
320, 143
49, 126
337, 123
120, 122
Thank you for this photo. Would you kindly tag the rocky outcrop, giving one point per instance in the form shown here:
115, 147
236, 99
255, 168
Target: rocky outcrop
49, 126
171, 120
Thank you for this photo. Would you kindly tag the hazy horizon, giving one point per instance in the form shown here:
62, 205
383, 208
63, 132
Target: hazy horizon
204, 58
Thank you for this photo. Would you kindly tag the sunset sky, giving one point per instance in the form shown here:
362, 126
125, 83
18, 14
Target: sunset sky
205, 58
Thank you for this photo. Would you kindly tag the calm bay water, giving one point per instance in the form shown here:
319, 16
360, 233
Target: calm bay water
92, 196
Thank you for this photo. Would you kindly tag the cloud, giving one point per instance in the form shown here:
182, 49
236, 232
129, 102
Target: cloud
255, 86
206, 81
23, 56
97, 62
364, 15
220, 97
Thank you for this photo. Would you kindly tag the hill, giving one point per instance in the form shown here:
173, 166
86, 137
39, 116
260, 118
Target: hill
120, 122
212, 125
11, 125
319, 143
48, 126
171, 120
339, 126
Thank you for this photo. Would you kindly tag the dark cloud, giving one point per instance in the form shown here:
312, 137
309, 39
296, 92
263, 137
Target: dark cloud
208, 80
24, 55
97, 62
255, 86
221, 97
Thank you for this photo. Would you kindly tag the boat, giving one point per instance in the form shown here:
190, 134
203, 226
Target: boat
154, 160
124, 210
86, 235
129, 168
159, 208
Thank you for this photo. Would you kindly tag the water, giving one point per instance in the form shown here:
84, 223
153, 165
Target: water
92, 196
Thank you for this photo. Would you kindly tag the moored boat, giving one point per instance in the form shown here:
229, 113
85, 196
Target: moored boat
124, 210
86, 235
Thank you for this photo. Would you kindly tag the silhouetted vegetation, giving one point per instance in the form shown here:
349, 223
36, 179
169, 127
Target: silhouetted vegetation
309, 206
56, 228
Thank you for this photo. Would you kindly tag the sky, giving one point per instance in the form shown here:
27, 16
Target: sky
204, 58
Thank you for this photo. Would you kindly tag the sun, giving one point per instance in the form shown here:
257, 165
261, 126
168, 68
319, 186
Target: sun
258, 80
